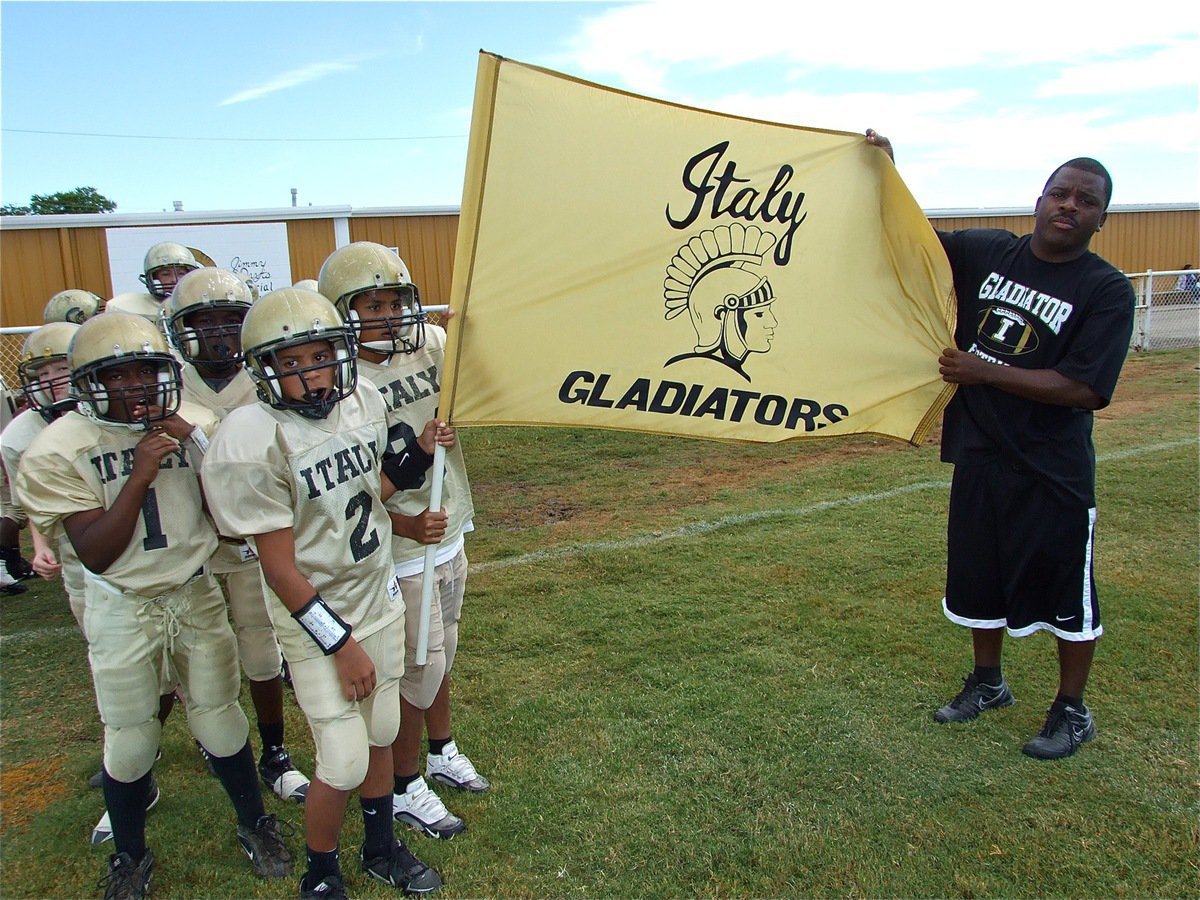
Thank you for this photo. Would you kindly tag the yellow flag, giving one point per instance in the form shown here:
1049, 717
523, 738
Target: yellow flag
638, 265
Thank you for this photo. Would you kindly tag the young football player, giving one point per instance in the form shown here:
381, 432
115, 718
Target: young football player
402, 355
203, 321
119, 476
45, 379
165, 264
302, 475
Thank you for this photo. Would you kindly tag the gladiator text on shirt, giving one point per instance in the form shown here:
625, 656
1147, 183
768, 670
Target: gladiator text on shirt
1051, 310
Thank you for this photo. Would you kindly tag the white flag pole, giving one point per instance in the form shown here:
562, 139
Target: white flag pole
435, 503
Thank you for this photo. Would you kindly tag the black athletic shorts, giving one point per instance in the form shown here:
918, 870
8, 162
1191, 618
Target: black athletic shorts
1019, 556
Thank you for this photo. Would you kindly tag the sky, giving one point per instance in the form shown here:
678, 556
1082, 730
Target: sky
231, 105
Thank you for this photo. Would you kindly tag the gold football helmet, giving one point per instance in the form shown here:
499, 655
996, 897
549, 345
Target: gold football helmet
43, 348
202, 290
166, 262
72, 305
287, 318
114, 339
365, 266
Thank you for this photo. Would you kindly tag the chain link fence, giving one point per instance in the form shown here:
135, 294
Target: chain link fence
1167, 314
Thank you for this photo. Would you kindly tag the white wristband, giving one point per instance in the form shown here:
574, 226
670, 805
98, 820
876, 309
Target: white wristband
323, 625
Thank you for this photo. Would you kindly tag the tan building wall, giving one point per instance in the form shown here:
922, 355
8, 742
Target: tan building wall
43, 255
1132, 240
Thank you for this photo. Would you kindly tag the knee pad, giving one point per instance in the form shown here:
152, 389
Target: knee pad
420, 684
342, 752
382, 714
129, 751
222, 730
258, 649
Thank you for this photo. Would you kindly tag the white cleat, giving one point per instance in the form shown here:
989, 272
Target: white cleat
453, 769
421, 809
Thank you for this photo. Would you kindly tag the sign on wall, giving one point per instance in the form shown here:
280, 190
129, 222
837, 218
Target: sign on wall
256, 250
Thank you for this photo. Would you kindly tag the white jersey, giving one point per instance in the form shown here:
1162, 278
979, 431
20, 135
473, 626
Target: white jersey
77, 464
240, 391
410, 384
269, 469
15, 441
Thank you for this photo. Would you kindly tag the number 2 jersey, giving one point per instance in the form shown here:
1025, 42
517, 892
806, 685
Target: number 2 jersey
77, 464
268, 469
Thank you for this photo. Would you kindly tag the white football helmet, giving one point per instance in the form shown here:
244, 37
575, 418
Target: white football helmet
365, 266
288, 318
44, 347
166, 262
115, 339
198, 291
72, 305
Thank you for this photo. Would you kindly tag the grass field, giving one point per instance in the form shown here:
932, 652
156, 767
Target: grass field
697, 669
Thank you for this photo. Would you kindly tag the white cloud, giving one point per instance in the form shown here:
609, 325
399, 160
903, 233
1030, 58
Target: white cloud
639, 44
1174, 66
286, 80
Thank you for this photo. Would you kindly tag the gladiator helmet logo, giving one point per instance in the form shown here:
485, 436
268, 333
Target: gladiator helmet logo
716, 279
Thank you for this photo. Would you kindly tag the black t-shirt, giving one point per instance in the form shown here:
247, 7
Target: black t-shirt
1017, 310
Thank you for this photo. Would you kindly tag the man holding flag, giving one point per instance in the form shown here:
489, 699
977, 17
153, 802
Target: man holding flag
1043, 330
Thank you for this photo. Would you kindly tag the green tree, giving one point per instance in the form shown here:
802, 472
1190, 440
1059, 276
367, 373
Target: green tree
79, 200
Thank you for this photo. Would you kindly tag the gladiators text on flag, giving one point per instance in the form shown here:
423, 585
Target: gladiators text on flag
633, 264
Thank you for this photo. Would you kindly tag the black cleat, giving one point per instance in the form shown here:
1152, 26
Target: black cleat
328, 888
264, 845
126, 881
403, 870
1065, 729
974, 698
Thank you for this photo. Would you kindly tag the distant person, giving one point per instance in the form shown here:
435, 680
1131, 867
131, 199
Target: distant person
1188, 284
1043, 330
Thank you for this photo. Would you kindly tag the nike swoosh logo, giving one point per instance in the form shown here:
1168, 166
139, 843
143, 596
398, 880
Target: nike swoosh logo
1063, 618
371, 812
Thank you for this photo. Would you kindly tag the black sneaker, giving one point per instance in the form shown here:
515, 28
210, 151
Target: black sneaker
403, 870
126, 881
264, 845
282, 777
328, 888
1065, 729
973, 699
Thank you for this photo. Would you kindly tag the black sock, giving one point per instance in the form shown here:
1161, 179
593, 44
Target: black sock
989, 675
377, 825
1073, 702
126, 802
240, 780
321, 865
403, 781
436, 747
272, 737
